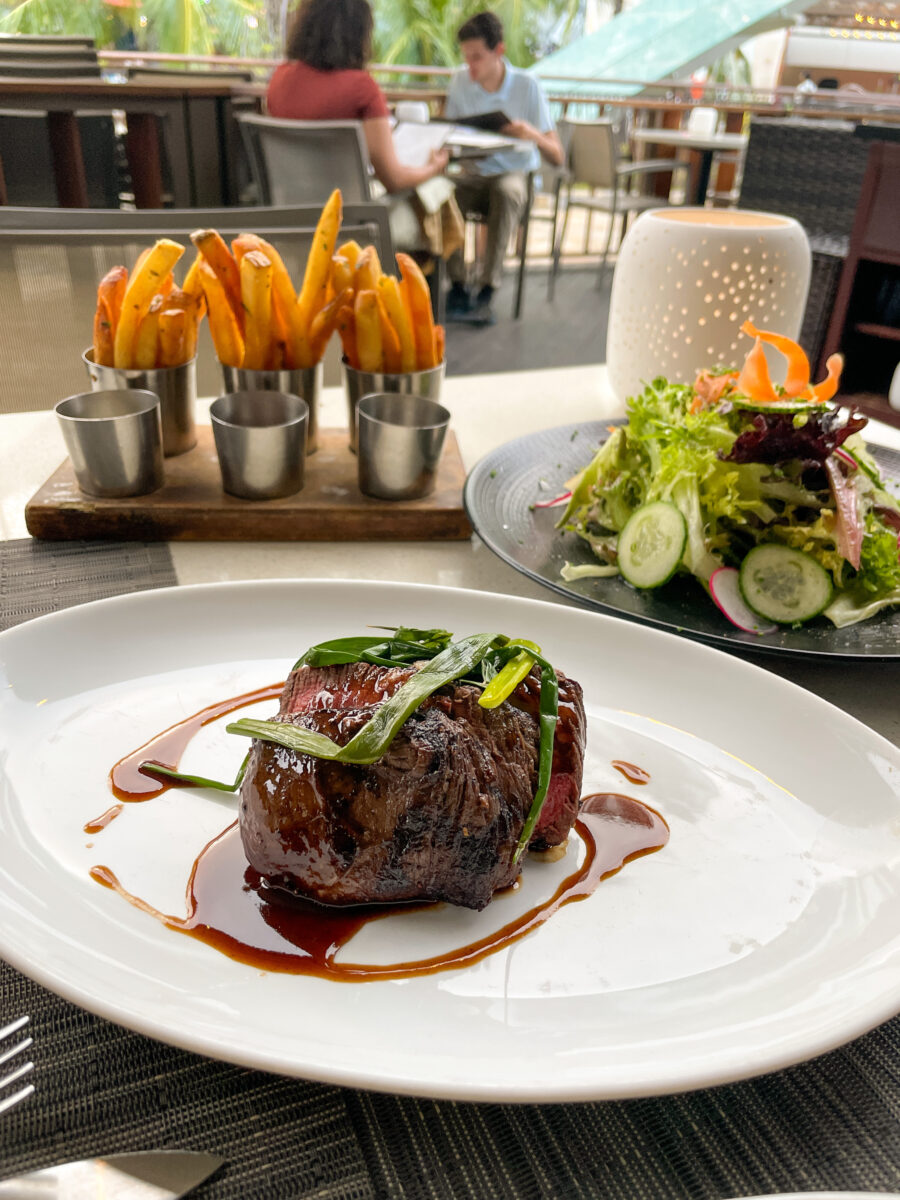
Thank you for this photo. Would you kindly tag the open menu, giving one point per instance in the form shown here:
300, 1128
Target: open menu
414, 142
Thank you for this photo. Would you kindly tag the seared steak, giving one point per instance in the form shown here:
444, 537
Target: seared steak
436, 818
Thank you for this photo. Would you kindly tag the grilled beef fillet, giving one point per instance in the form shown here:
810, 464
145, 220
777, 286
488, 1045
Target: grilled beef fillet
436, 818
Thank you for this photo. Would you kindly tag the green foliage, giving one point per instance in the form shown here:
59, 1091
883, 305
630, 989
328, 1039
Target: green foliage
237, 27
423, 32
89, 18
418, 32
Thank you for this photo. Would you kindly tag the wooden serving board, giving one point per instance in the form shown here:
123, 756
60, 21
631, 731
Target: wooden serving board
191, 505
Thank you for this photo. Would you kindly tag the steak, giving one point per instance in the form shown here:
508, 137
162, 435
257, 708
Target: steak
436, 818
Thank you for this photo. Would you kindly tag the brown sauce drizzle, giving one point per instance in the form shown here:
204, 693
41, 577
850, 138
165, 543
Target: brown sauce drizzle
100, 823
635, 775
131, 784
230, 907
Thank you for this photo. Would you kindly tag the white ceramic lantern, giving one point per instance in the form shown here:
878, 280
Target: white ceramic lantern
685, 281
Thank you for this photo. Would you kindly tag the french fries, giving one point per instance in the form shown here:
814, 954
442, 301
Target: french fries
258, 319
256, 296
408, 338
226, 331
143, 285
143, 321
318, 264
369, 344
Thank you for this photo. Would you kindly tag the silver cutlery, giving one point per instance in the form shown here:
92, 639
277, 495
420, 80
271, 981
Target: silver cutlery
152, 1175
10, 1049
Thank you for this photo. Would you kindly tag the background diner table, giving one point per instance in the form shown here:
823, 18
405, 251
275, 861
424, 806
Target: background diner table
179, 134
829, 1124
707, 144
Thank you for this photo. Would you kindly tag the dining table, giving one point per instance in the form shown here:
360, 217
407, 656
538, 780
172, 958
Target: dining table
179, 133
827, 1125
707, 144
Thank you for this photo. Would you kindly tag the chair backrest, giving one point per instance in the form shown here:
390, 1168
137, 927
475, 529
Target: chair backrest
302, 162
154, 74
58, 69
592, 153
49, 277
806, 169
46, 42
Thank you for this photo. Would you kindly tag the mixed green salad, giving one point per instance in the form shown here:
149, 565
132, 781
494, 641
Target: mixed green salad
764, 492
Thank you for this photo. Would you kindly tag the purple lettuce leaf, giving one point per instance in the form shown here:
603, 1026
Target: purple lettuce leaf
773, 437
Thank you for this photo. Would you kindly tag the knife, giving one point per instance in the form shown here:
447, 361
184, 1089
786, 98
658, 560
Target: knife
153, 1175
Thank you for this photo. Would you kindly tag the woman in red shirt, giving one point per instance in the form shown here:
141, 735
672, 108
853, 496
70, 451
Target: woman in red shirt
325, 79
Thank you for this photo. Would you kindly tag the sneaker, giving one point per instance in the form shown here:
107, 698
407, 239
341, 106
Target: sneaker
482, 311
459, 303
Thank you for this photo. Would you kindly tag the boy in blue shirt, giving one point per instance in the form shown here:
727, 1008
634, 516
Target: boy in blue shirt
497, 186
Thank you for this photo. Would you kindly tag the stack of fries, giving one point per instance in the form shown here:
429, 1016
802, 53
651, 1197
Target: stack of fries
256, 318
385, 324
144, 321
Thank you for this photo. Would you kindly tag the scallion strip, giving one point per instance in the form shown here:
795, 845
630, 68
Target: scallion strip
548, 716
377, 734
508, 679
149, 767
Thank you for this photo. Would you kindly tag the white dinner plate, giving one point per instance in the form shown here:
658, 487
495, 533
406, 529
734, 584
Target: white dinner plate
764, 933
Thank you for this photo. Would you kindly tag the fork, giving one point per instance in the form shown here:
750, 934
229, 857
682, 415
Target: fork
18, 1072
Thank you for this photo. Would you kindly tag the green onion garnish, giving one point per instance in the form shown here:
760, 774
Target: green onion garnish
149, 767
377, 734
509, 677
502, 665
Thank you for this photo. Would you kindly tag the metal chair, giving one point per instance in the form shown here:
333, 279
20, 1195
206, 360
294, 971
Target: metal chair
593, 160
51, 261
301, 162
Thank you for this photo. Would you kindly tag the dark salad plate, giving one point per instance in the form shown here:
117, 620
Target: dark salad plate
500, 495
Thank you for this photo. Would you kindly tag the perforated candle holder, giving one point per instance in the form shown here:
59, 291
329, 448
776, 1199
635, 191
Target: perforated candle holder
686, 280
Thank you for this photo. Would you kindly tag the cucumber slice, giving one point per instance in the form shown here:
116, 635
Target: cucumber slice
651, 545
774, 406
783, 584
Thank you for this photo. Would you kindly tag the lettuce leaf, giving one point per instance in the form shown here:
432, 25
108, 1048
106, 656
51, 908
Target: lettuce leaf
733, 496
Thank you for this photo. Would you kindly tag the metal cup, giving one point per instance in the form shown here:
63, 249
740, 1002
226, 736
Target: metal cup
261, 443
368, 383
176, 388
400, 443
305, 382
114, 439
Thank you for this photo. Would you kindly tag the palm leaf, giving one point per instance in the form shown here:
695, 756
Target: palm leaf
89, 18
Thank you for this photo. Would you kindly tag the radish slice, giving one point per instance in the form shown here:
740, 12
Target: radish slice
847, 459
723, 587
551, 503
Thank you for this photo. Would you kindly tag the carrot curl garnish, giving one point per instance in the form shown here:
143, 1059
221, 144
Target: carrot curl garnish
797, 378
820, 392
754, 380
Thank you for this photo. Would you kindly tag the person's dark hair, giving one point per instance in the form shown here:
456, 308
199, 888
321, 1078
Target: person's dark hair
484, 25
332, 35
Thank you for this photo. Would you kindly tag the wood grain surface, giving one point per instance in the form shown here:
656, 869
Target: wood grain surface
191, 505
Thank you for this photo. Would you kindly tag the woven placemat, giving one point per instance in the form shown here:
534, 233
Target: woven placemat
831, 1124
37, 578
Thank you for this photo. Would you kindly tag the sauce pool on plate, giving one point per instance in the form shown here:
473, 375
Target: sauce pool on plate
231, 907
